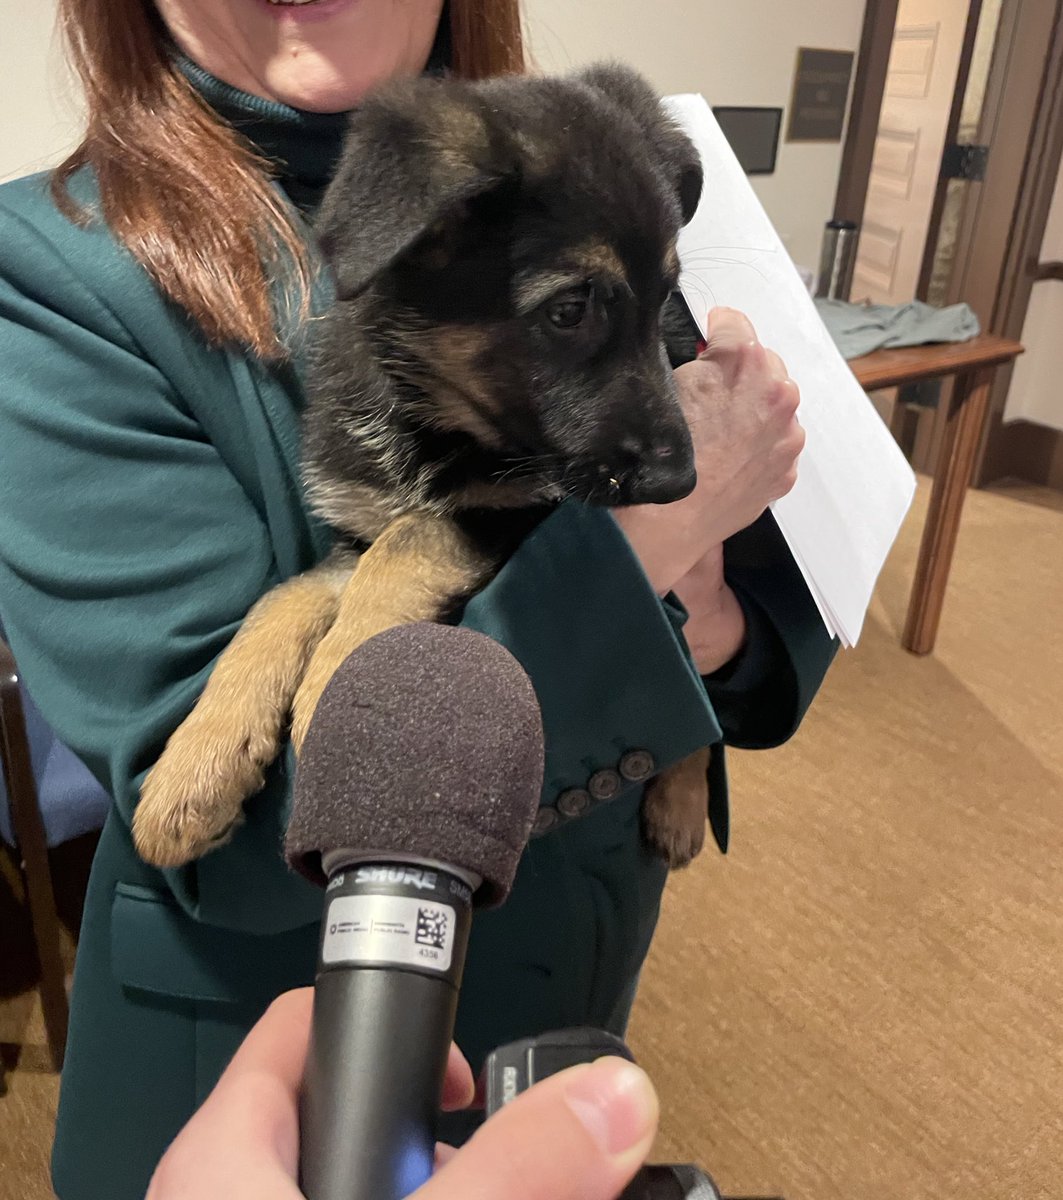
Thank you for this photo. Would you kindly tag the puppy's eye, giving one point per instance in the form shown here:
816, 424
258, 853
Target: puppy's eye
568, 311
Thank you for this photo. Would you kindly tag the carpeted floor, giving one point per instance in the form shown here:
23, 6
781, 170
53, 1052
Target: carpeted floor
28, 1087
865, 998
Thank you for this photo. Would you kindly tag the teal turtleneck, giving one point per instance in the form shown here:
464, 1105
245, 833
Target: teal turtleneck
303, 146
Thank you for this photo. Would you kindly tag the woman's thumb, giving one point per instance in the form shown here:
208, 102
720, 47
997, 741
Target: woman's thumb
580, 1135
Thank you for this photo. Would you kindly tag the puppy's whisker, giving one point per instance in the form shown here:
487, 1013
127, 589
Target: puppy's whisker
743, 249
705, 262
526, 467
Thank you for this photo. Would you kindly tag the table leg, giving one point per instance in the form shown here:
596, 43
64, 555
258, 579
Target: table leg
965, 421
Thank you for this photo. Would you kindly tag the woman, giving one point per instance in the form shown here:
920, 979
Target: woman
149, 424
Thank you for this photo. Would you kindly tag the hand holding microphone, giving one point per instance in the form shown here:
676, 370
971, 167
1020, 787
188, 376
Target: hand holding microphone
579, 1135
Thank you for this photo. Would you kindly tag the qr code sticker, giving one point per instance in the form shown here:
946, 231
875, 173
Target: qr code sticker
431, 928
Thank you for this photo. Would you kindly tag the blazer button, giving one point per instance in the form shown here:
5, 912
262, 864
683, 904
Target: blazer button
637, 765
604, 785
545, 820
574, 801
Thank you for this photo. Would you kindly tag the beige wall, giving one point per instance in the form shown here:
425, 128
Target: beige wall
39, 109
733, 52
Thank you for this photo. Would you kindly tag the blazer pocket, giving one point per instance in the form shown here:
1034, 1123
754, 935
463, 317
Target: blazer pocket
157, 948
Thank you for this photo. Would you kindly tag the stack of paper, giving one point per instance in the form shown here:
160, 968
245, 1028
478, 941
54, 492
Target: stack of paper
854, 486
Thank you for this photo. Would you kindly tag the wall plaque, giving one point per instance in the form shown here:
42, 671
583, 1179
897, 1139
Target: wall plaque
821, 94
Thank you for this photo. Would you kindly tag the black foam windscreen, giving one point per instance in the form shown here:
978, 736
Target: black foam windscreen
427, 742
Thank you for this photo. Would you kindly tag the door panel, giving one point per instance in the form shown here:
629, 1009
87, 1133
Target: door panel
879, 249
912, 61
920, 81
896, 159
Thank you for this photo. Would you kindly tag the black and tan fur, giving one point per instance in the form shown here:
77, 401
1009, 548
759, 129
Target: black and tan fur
502, 252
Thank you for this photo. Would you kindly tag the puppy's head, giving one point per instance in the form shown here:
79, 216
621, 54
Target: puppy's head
508, 247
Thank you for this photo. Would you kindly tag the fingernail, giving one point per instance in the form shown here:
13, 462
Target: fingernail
615, 1102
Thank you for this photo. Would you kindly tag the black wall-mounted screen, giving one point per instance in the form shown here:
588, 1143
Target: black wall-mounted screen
754, 136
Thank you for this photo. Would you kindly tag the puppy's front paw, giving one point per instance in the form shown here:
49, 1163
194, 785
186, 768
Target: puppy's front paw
192, 799
327, 659
305, 704
674, 811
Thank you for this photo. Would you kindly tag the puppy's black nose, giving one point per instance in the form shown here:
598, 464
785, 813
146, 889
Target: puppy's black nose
661, 485
655, 474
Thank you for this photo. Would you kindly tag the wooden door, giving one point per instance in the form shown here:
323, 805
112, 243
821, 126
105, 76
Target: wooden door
920, 85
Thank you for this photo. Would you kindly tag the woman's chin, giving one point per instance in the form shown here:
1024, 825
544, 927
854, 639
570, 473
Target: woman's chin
318, 85
315, 86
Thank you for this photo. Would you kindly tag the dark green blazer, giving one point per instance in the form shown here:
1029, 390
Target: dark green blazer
149, 494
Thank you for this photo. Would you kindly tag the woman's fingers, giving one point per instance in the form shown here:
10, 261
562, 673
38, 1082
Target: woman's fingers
776, 366
727, 329
733, 346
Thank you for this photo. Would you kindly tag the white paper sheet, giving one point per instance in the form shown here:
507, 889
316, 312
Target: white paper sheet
854, 485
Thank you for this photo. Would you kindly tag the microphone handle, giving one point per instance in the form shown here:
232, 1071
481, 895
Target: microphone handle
393, 947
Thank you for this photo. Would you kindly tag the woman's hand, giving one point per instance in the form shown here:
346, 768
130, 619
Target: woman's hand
716, 628
580, 1135
741, 407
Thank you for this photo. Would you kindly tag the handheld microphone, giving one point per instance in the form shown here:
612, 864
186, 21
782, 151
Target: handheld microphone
415, 794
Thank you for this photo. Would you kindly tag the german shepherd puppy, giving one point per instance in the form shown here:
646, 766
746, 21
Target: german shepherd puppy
502, 254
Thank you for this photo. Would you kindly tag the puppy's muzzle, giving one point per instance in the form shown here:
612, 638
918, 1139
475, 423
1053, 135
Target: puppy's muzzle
657, 470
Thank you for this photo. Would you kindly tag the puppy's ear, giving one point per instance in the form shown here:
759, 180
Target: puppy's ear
676, 154
414, 153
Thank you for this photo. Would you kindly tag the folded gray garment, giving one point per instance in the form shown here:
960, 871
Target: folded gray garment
858, 329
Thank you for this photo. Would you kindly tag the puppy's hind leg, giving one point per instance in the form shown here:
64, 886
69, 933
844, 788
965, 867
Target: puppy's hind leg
675, 810
191, 799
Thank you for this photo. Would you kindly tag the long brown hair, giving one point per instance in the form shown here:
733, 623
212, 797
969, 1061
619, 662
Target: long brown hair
188, 196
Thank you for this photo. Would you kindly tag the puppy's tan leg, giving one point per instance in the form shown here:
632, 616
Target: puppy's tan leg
413, 570
191, 799
675, 810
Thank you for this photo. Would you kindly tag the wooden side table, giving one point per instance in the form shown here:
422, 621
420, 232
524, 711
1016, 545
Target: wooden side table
973, 364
